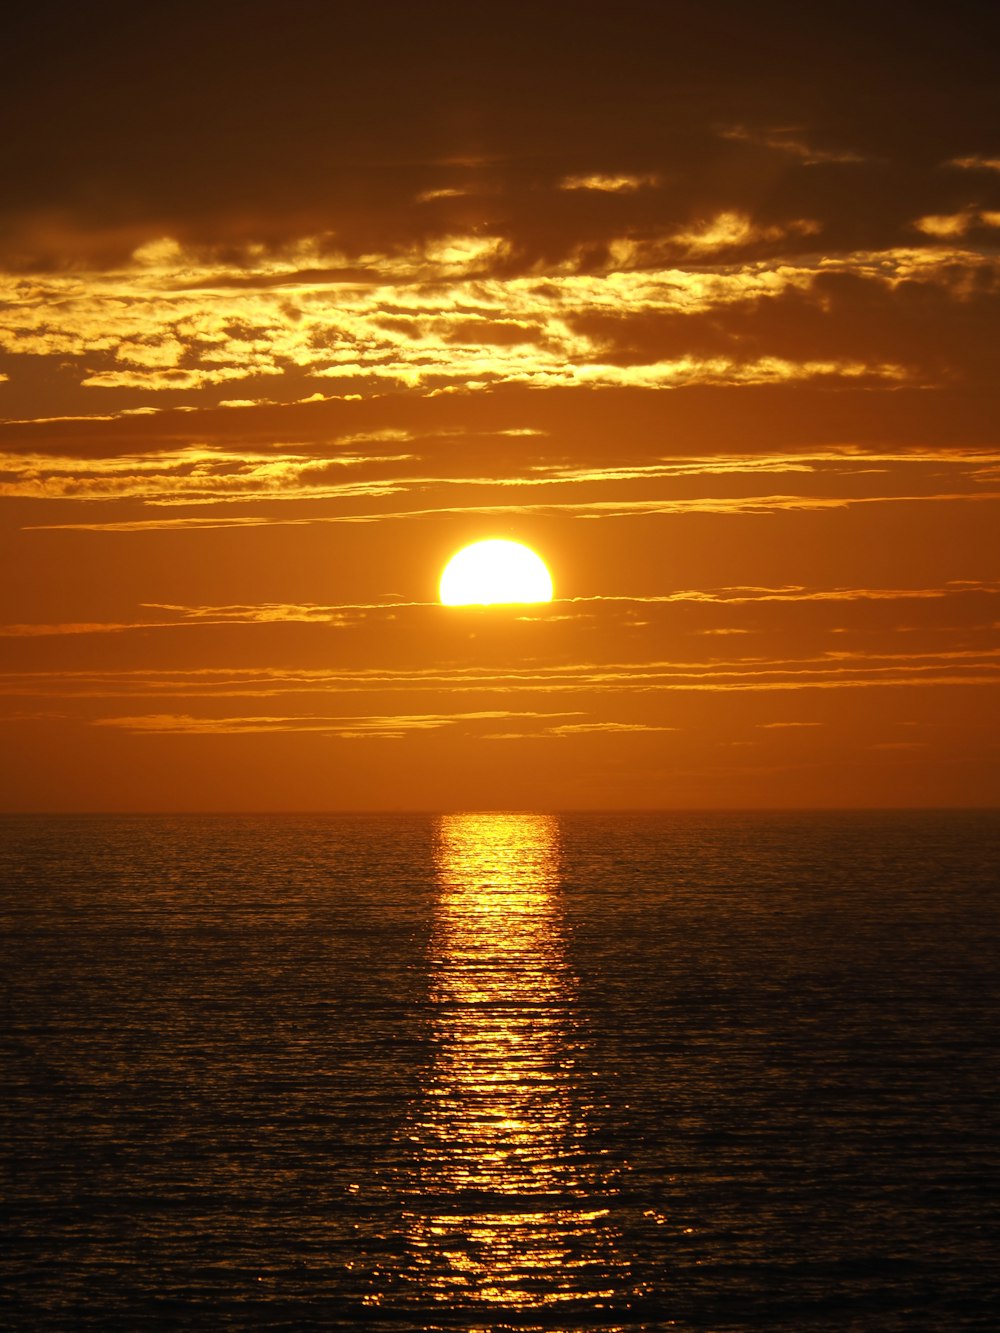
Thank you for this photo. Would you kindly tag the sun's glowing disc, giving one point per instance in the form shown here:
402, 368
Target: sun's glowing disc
493, 572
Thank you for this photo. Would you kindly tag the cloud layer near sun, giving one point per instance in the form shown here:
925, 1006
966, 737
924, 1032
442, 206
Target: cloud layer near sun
452, 316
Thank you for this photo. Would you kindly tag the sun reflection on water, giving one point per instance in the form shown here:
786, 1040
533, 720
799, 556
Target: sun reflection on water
509, 1214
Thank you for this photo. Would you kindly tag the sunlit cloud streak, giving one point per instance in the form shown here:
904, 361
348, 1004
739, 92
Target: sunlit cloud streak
199, 474
791, 141
780, 726
948, 225
728, 231
346, 727
606, 728
339, 613
831, 670
193, 474
607, 184
796, 593
604, 509
976, 163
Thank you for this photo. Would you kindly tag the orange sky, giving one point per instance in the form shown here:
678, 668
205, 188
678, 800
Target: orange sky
295, 303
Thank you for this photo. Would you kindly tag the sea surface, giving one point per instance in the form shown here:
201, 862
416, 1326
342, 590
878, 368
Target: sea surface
514, 1071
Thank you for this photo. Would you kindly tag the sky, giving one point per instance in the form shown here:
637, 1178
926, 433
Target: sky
701, 304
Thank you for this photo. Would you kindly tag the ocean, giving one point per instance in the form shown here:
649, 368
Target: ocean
688, 1071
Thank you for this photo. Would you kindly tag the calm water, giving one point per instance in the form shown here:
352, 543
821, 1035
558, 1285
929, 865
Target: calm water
706, 1072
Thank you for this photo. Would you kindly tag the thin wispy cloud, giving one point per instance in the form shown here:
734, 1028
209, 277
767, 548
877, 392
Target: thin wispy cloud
610, 184
176, 616
201, 476
830, 670
792, 140
594, 509
345, 727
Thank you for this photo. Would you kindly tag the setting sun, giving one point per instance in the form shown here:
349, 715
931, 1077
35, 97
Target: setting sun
495, 572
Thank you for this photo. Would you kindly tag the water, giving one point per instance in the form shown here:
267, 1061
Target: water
692, 1072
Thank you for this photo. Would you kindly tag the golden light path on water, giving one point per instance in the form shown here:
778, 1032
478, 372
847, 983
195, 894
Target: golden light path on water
510, 1213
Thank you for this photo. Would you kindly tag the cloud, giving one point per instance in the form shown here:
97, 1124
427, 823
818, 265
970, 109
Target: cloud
796, 593
948, 226
388, 726
157, 353
187, 617
605, 728
339, 614
977, 162
779, 726
438, 125
608, 184
43, 631
791, 141
445, 192
732, 230
195, 474
593, 510
273, 613
450, 314
542, 684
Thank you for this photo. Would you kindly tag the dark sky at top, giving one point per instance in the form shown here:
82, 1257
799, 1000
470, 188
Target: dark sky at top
228, 120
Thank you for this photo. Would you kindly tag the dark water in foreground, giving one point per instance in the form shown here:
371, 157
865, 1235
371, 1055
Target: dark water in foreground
693, 1072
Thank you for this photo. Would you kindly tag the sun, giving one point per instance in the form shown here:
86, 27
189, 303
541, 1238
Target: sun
494, 572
